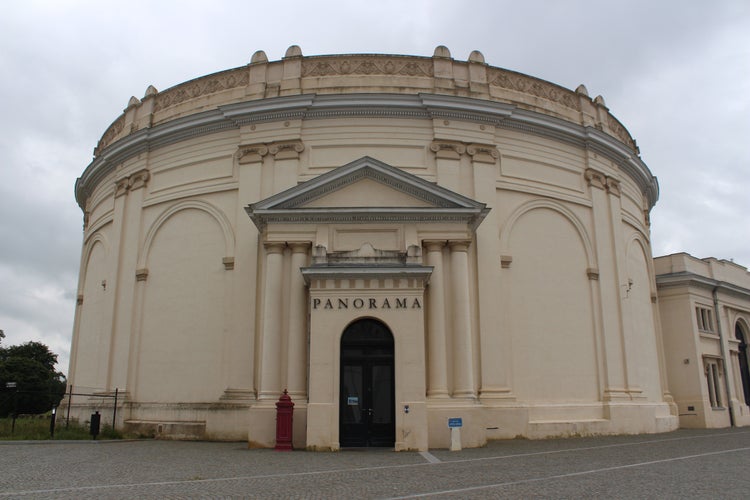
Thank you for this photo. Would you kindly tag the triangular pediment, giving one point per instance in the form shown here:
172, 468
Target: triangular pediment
366, 190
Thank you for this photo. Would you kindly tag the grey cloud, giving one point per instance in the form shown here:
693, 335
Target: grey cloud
675, 73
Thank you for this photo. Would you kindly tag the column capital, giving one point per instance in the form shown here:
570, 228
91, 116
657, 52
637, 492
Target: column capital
132, 182
613, 186
274, 246
595, 178
285, 150
459, 245
434, 245
139, 179
483, 153
299, 246
448, 149
252, 153
121, 187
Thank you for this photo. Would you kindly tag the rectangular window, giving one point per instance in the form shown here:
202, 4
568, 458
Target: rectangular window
713, 380
705, 318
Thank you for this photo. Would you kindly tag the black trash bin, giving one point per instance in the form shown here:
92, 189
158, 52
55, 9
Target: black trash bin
96, 421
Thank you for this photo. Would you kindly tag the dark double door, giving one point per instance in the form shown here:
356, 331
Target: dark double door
366, 403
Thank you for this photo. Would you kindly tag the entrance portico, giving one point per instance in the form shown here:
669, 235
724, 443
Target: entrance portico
365, 224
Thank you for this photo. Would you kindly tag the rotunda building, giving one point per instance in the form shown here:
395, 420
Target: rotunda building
399, 242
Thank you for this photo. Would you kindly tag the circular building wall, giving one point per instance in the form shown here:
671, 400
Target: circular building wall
495, 223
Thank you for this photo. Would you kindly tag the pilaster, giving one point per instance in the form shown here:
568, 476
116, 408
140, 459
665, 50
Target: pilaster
270, 359
606, 280
437, 380
239, 346
129, 194
285, 163
297, 334
448, 162
463, 369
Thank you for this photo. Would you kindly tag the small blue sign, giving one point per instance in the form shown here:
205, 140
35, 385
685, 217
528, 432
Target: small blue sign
455, 422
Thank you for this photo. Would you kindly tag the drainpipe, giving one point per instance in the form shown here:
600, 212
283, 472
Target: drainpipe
715, 294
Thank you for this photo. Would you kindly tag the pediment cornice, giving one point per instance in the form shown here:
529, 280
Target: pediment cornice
289, 206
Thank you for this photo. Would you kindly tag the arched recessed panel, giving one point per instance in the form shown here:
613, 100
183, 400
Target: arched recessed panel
183, 314
740, 334
550, 312
638, 320
93, 330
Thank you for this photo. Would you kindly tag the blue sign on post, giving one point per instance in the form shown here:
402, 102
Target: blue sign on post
455, 422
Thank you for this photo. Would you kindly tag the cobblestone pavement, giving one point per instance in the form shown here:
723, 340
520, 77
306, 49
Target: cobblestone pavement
681, 464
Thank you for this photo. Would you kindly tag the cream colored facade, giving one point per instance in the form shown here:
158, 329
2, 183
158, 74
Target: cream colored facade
395, 240
705, 312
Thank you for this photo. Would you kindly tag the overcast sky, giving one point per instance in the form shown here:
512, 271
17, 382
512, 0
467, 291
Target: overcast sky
676, 73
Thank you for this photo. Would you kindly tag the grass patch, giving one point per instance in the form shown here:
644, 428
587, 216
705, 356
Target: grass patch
36, 428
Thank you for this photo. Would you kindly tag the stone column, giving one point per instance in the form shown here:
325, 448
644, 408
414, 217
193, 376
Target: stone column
270, 362
297, 335
463, 370
437, 382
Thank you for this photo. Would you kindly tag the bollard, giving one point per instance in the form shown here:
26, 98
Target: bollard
52, 423
455, 424
96, 420
284, 414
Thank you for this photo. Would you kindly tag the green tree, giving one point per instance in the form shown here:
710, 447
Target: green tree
38, 385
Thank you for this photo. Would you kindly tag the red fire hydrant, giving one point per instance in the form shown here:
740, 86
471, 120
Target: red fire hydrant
284, 413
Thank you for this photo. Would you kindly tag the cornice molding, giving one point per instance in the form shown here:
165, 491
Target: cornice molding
355, 272
686, 278
311, 106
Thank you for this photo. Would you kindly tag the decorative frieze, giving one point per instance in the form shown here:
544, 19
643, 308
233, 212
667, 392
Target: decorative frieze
529, 85
210, 84
619, 131
109, 136
364, 65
